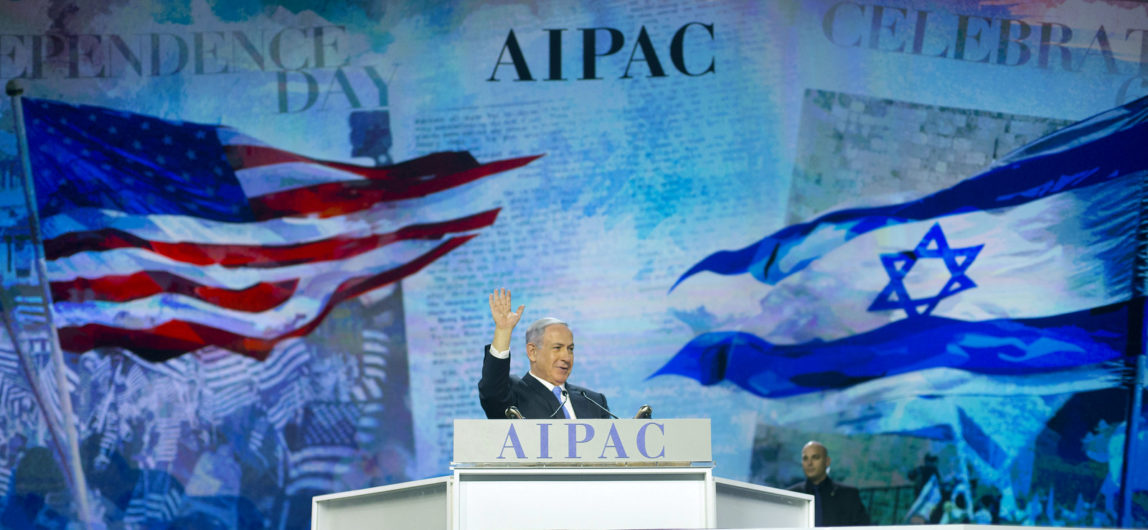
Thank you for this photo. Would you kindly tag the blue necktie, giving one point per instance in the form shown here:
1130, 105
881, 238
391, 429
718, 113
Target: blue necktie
558, 394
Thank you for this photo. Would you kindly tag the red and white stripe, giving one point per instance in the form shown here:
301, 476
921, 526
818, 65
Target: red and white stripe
163, 285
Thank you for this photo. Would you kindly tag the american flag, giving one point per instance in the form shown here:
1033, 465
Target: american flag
165, 237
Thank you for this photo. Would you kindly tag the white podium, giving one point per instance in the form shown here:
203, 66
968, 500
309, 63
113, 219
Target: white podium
571, 474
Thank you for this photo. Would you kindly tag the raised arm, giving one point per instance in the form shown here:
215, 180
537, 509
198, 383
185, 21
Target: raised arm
504, 318
494, 387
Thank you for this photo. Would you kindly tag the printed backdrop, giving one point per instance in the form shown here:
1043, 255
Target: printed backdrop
912, 230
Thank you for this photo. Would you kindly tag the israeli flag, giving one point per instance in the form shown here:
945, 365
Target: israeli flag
1023, 274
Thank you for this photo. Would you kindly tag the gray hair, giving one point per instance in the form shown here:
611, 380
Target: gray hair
535, 331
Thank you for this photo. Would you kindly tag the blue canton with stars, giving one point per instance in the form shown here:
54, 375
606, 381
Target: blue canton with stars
91, 157
932, 246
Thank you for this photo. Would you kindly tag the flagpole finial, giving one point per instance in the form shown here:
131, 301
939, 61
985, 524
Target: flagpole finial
14, 88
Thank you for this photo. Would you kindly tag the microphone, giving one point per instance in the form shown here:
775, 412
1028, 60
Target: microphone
644, 413
565, 397
512, 413
596, 404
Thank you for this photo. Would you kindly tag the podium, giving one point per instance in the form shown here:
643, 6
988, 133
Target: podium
571, 474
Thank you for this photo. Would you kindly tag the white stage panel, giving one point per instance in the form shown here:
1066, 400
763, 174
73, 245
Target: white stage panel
549, 498
745, 505
418, 504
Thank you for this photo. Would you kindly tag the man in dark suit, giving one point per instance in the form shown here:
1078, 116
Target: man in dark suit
835, 504
543, 392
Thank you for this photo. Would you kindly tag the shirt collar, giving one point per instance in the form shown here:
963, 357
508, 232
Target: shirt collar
825, 486
549, 386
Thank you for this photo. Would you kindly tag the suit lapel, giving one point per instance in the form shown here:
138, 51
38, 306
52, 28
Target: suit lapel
545, 396
582, 408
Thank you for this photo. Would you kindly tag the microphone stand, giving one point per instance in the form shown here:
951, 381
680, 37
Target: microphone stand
596, 404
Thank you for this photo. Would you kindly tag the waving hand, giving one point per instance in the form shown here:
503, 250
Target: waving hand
504, 318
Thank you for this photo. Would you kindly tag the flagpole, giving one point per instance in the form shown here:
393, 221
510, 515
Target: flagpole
1131, 427
30, 374
80, 490
1139, 349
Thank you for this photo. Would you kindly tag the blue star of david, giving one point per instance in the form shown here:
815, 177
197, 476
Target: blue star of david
932, 246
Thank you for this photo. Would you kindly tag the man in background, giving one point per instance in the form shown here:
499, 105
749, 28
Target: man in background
835, 504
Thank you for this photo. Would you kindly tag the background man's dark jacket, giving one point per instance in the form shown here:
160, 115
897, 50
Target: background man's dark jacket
840, 504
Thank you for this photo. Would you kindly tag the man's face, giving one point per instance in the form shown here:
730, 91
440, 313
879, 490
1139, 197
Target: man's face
815, 462
553, 358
